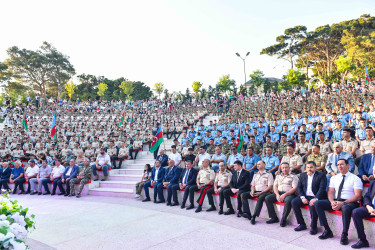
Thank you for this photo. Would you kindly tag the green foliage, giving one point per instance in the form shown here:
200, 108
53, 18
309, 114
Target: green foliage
102, 87
203, 93
257, 78
158, 88
166, 94
70, 88
196, 87
225, 85
187, 95
128, 88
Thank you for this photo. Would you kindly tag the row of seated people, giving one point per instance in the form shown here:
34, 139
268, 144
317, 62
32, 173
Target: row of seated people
307, 189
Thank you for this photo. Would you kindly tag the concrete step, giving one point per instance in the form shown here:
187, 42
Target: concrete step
113, 192
125, 177
118, 184
134, 166
134, 171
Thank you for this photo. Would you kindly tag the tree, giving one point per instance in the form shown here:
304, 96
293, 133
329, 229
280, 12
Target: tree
158, 88
225, 84
344, 65
203, 93
257, 77
187, 94
211, 91
128, 88
287, 46
166, 94
196, 87
102, 87
295, 78
70, 88
141, 91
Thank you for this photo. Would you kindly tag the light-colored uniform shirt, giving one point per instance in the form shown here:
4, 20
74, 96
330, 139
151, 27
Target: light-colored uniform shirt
286, 183
206, 175
223, 178
262, 181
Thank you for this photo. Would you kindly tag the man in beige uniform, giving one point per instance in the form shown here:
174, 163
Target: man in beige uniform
319, 159
284, 189
123, 153
303, 148
349, 144
261, 187
326, 147
294, 160
222, 181
366, 145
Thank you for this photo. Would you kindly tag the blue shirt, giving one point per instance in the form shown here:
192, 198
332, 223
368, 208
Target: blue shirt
271, 161
232, 158
17, 172
250, 161
217, 157
360, 133
337, 134
275, 137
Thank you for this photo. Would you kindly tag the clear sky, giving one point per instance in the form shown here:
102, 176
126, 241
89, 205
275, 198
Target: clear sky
171, 41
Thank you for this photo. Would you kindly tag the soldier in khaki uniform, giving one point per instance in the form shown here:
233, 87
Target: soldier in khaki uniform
225, 147
257, 148
222, 181
282, 148
349, 144
303, 148
211, 148
294, 160
268, 143
366, 145
319, 159
205, 180
89, 152
326, 147
284, 188
261, 187
112, 152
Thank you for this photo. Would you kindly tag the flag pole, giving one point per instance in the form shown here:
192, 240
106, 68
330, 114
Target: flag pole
163, 138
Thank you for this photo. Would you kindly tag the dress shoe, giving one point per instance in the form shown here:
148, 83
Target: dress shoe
240, 214
70, 195
300, 228
175, 204
46, 193
361, 244
252, 221
182, 205
191, 206
212, 208
246, 216
313, 231
22, 192
147, 199
272, 220
53, 194
96, 179
61, 193
283, 223
229, 211
39, 193
326, 234
344, 239
78, 195
14, 191
168, 204
199, 209
160, 201
66, 194
221, 211
33, 193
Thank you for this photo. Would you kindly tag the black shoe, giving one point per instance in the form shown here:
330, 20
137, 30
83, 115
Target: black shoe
212, 208
70, 195
33, 193
147, 199
14, 191
182, 205
96, 179
221, 211
191, 206
272, 220
300, 228
22, 192
246, 216
46, 193
53, 193
175, 204
252, 221
199, 209
168, 204
61, 193
344, 239
283, 223
326, 234
361, 244
313, 231
39, 193
161, 201
240, 214
78, 195
103, 179
66, 194
229, 211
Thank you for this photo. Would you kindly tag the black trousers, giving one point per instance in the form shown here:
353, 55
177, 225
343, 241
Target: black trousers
201, 195
210, 193
186, 195
270, 199
113, 160
358, 215
54, 185
174, 189
67, 185
228, 192
324, 205
4, 184
19, 183
155, 152
121, 160
296, 205
258, 207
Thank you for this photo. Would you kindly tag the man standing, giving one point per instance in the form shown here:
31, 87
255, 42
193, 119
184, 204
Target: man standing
156, 179
221, 184
187, 179
261, 187
284, 189
311, 188
345, 190
238, 185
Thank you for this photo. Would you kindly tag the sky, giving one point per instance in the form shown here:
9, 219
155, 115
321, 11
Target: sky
175, 42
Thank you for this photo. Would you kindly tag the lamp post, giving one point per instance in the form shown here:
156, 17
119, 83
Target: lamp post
243, 59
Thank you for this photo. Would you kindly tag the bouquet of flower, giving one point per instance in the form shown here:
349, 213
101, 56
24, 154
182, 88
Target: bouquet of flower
14, 224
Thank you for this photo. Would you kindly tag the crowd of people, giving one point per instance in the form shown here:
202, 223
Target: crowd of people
300, 147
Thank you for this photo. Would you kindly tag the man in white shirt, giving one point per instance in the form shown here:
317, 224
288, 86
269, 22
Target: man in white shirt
31, 172
345, 190
175, 156
56, 174
201, 156
103, 162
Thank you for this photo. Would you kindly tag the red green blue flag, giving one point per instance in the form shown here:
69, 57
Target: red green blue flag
158, 139
367, 77
24, 122
53, 128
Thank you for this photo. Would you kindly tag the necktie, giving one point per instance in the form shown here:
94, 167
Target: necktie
186, 176
340, 188
370, 171
238, 175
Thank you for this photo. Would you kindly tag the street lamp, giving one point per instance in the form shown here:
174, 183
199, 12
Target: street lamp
243, 59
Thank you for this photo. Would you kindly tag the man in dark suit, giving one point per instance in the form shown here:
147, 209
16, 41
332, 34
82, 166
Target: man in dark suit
361, 213
187, 178
239, 183
311, 187
366, 165
172, 176
5, 173
156, 179
163, 158
69, 174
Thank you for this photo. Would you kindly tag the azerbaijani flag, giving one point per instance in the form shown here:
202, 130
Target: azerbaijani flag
239, 140
158, 139
132, 120
53, 128
24, 122
367, 77
312, 130
122, 118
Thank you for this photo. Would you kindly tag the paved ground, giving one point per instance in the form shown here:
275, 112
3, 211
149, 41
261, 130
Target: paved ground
93, 222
